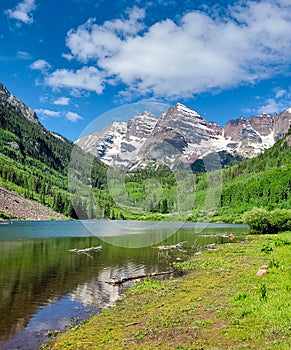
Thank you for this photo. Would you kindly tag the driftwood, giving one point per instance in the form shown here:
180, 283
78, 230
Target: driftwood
86, 250
131, 324
212, 246
119, 280
230, 236
167, 256
169, 247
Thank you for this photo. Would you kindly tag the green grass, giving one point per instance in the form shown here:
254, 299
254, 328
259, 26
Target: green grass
219, 303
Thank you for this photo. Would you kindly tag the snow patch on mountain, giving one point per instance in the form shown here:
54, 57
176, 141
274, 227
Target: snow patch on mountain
181, 135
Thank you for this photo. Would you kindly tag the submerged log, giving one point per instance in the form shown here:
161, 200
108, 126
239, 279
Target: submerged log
230, 236
119, 280
86, 250
169, 247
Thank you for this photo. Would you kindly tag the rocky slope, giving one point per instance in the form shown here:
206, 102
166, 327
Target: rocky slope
14, 206
282, 123
182, 136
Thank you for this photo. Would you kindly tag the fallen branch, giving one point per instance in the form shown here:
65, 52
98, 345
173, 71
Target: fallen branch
120, 280
212, 246
131, 324
231, 236
86, 250
169, 247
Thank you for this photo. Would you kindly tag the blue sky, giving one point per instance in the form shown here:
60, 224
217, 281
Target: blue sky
74, 60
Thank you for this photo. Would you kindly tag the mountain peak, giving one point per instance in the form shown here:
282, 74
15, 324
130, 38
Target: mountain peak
146, 113
182, 133
4, 93
7, 98
180, 107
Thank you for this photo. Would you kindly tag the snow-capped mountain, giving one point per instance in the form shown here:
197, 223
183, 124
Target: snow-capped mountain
120, 143
249, 137
106, 144
183, 136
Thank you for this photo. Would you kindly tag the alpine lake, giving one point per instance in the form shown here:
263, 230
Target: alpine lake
46, 287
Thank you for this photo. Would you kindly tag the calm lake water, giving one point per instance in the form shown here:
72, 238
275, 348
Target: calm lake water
45, 287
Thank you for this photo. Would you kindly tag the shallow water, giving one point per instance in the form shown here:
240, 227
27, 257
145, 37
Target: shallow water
45, 287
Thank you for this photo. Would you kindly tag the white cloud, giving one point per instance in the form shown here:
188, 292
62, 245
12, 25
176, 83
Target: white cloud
22, 55
47, 113
62, 101
277, 103
41, 65
198, 53
87, 78
271, 106
67, 56
68, 115
91, 41
280, 93
22, 12
126, 27
73, 117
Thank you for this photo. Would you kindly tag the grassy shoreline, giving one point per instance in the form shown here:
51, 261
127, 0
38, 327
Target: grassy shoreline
219, 303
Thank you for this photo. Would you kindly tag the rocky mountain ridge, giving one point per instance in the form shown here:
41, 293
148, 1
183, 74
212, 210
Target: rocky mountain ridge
7, 98
182, 136
179, 137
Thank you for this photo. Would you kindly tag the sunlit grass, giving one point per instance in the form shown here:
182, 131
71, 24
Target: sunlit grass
219, 303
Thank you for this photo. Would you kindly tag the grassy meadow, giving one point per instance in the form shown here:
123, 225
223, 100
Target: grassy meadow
218, 303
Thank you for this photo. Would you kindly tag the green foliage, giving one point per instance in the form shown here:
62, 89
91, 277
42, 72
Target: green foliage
274, 263
266, 248
282, 241
262, 292
34, 163
258, 220
240, 296
263, 181
32, 140
264, 222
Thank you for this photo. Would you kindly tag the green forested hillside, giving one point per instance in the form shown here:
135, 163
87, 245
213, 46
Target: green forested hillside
22, 140
264, 181
34, 162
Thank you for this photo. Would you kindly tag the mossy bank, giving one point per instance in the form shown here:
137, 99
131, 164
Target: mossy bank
220, 303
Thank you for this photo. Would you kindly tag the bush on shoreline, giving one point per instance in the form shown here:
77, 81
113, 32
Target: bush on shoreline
262, 221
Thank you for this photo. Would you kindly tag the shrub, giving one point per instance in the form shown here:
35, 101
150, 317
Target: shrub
280, 219
266, 247
263, 222
258, 220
